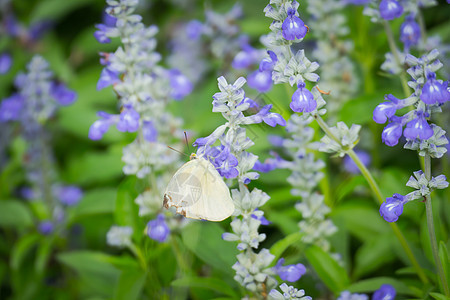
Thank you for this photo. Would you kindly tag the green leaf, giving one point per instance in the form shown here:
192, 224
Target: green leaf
15, 214
443, 255
22, 247
43, 254
126, 212
98, 201
360, 110
214, 284
280, 246
130, 284
439, 296
204, 239
373, 284
55, 9
348, 186
329, 271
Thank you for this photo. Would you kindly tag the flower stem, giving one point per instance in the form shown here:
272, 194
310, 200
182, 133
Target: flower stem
378, 196
431, 231
138, 253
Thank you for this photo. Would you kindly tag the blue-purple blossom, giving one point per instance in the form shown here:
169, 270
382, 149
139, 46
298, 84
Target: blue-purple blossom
260, 218
357, 2
129, 120
246, 57
418, 127
393, 207
180, 84
386, 110
392, 132
37, 30
101, 33
260, 80
410, 32
158, 229
349, 164
107, 78
11, 107
385, 292
108, 20
69, 195
268, 63
194, 29
303, 100
5, 62
390, 9
225, 162
289, 273
149, 131
62, 94
100, 127
434, 91
46, 227
293, 27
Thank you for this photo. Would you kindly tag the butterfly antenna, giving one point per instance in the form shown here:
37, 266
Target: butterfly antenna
186, 140
177, 151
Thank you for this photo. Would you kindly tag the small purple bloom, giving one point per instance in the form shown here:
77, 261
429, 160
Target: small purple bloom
270, 118
265, 167
62, 94
261, 219
357, 2
392, 208
107, 78
180, 84
149, 131
226, 163
109, 20
260, 80
386, 110
5, 63
385, 292
303, 100
100, 127
11, 108
293, 27
69, 195
158, 229
101, 33
268, 63
392, 132
129, 120
410, 32
349, 164
46, 227
27, 193
433, 91
194, 29
38, 29
289, 273
12, 27
276, 140
390, 9
418, 127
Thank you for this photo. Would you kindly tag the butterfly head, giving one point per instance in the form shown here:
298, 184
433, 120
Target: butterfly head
193, 156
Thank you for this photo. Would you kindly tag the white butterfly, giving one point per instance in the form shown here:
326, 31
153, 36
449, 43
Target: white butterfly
197, 191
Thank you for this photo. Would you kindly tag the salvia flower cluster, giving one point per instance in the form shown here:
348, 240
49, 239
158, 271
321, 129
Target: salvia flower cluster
35, 103
144, 88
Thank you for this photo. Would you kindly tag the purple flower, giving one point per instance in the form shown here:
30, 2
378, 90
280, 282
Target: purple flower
10, 108
410, 32
100, 127
270, 118
268, 63
101, 33
390, 9
349, 164
109, 20
293, 27
385, 292
46, 227
107, 78
226, 163
260, 218
149, 131
418, 127
392, 132
265, 167
62, 94
392, 208
433, 91
157, 229
38, 29
194, 29
303, 100
180, 84
12, 27
129, 120
69, 195
386, 110
260, 80
289, 273
5, 63
357, 2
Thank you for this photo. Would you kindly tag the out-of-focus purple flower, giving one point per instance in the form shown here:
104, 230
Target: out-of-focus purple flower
149, 131
180, 84
100, 127
265, 167
393, 207
303, 99
11, 108
108, 20
418, 127
107, 78
101, 34
194, 29
410, 32
390, 9
385, 292
386, 110
349, 164
392, 132
268, 63
69, 195
129, 120
46, 227
62, 94
38, 29
260, 80
357, 2
276, 140
289, 273
433, 91
27, 193
12, 27
5, 62
158, 229
270, 118
260, 218
293, 27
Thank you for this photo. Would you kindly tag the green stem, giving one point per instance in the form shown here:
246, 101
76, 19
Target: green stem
431, 231
395, 53
379, 197
138, 253
423, 30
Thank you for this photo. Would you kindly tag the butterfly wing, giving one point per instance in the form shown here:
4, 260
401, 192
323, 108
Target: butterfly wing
198, 192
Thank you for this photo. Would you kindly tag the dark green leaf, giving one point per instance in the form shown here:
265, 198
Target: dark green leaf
280, 246
15, 214
22, 247
214, 284
130, 284
372, 284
